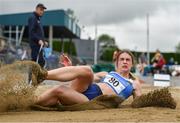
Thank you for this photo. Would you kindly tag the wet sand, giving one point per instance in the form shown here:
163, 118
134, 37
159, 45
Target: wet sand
122, 114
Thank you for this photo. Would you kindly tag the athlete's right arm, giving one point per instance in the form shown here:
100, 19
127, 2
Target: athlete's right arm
137, 88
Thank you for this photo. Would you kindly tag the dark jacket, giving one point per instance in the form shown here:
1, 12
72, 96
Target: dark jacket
36, 31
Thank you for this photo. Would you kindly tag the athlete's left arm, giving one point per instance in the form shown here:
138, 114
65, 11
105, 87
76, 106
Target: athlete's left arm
98, 76
65, 60
137, 88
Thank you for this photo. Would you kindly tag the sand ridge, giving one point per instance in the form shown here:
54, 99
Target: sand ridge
125, 113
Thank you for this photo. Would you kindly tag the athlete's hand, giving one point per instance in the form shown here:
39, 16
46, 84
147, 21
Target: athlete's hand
64, 60
137, 88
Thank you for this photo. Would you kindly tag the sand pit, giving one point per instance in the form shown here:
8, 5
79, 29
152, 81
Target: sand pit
124, 113
15, 91
18, 98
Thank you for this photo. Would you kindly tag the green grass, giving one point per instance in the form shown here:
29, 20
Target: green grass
69, 47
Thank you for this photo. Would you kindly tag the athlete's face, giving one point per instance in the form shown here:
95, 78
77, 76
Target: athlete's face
124, 62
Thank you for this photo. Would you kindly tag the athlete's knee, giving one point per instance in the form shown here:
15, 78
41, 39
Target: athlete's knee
87, 71
59, 90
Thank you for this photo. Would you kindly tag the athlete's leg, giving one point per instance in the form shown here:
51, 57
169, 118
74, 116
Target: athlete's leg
62, 94
69, 73
81, 76
78, 75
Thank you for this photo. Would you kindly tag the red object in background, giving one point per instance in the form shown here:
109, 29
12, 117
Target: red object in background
161, 62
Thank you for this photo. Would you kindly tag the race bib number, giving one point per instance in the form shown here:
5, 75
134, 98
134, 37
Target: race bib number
114, 83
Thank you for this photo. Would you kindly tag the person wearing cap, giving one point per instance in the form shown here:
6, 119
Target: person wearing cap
36, 34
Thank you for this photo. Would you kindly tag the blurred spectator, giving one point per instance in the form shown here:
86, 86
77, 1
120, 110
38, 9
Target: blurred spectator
21, 54
142, 58
156, 57
142, 66
158, 62
171, 61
